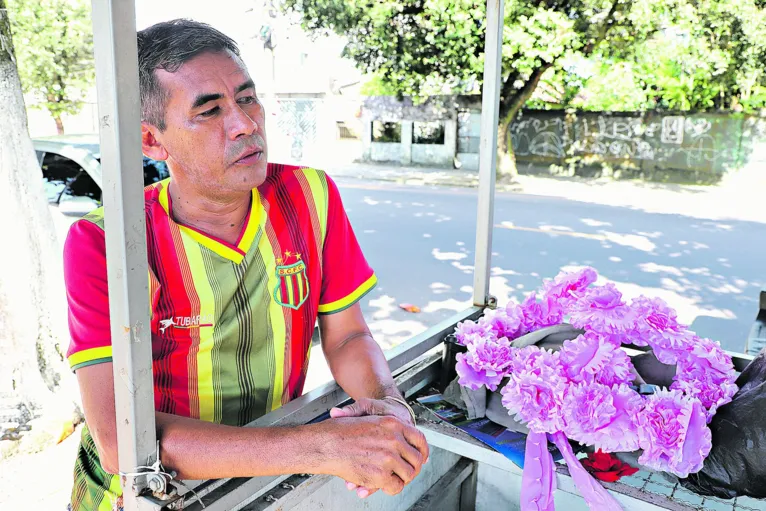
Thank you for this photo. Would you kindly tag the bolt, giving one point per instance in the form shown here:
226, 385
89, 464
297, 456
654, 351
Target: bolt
157, 483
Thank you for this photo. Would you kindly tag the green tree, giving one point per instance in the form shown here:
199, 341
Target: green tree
33, 331
687, 54
54, 47
427, 46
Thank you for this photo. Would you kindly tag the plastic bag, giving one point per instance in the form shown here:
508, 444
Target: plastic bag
736, 465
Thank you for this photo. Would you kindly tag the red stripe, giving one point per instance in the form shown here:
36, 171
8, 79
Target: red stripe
171, 368
294, 214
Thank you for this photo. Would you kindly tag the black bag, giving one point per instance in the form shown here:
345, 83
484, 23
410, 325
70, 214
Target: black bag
736, 465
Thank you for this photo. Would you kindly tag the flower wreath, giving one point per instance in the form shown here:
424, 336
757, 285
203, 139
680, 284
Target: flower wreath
585, 391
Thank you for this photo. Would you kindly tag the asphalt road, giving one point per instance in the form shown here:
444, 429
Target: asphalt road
420, 241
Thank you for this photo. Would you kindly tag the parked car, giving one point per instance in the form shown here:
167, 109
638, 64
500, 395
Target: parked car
71, 166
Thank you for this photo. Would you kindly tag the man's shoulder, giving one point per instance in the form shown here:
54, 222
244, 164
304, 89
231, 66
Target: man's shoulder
151, 197
295, 181
279, 174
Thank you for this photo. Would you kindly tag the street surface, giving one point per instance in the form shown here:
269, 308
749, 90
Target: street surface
420, 242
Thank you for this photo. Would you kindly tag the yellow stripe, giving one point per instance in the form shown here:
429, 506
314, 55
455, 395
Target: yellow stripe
320, 198
290, 291
252, 223
218, 248
89, 355
349, 300
204, 291
277, 317
111, 494
164, 195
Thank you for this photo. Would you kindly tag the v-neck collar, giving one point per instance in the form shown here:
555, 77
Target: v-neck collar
248, 235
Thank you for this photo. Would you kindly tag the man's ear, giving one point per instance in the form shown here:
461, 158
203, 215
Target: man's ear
150, 145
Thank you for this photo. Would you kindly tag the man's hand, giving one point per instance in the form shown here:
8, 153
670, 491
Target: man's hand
375, 452
378, 407
381, 407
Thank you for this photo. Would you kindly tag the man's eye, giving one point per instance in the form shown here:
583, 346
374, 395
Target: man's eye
211, 112
247, 100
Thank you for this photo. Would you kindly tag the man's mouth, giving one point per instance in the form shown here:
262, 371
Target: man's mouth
250, 157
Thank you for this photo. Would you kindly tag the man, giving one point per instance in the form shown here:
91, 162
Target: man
243, 256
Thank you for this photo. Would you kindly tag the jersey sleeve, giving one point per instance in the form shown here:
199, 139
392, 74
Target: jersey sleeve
346, 275
87, 295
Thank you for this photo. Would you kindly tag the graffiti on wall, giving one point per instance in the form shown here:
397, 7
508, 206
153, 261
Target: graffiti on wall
694, 142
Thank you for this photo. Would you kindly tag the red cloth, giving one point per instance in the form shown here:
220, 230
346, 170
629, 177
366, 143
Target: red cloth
606, 467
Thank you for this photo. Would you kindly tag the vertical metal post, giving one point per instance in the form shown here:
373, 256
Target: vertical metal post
114, 29
490, 109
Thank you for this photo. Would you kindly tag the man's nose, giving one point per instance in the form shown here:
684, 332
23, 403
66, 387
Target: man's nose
239, 123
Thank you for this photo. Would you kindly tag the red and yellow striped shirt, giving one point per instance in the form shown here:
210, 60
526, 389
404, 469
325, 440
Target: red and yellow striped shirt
231, 324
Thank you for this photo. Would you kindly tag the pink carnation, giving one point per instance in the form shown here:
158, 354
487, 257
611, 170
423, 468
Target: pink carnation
603, 417
541, 314
699, 380
673, 433
468, 331
501, 323
484, 364
567, 286
713, 354
534, 394
601, 309
591, 357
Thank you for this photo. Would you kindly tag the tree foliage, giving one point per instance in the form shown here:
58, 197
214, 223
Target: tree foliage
54, 50
595, 54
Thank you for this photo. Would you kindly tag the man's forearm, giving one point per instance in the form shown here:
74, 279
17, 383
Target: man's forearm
202, 450
360, 368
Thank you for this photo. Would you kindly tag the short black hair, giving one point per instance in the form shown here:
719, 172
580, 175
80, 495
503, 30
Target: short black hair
168, 45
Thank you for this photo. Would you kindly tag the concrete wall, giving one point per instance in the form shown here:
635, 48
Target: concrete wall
468, 134
388, 109
385, 152
440, 155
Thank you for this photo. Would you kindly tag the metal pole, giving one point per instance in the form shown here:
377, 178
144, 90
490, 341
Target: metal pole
490, 109
114, 30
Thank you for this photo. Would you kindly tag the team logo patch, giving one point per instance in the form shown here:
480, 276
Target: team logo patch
293, 284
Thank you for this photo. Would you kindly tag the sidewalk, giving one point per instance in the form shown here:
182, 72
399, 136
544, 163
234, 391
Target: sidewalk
737, 197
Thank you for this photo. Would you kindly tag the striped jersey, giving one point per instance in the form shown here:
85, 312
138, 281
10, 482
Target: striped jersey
231, 324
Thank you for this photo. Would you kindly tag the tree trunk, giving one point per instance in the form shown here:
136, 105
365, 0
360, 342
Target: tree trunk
506, 160
59, 124
510, 105
32, 307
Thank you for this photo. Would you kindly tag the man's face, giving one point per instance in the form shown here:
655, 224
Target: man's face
215, 135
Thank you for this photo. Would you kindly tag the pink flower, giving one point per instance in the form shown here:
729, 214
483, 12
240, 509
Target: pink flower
468, 331
602, 416
567, 286
601, 309
591, 357
535, 360
541, 314
534, 393
711, 351
698, 379
485, 363
673, 433
656, 314
502, 324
